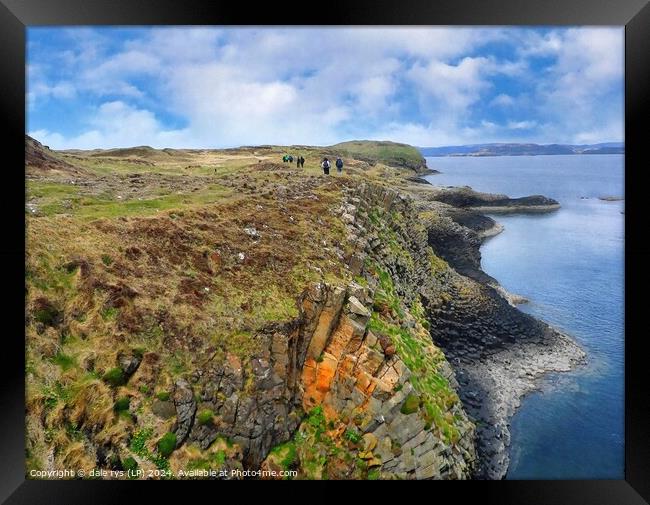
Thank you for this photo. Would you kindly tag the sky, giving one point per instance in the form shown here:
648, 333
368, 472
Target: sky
212, 87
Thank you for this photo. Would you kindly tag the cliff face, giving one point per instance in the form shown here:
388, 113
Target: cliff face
354, 387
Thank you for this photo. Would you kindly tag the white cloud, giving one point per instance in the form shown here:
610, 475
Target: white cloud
584, 88
502, 100
116, 124
521, 125
234, 86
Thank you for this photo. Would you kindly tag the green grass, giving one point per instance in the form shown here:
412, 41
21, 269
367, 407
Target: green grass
115, 377
316, 420
374, 474
389, 153
55, 394
386, 295
437, 264
435, 394
138, 446
129, 463
42, 189
410, 405
205, 417
286, 454
109, 313
352, 435
122, 404
167, 444
139, 441
47, 315
65, 361
362, 281
163, 396
277, 307
212, 462
54, 198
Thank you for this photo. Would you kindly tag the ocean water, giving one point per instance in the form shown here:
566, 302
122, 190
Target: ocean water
570, 265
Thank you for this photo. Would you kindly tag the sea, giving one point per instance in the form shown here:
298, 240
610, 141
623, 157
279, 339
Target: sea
569, 264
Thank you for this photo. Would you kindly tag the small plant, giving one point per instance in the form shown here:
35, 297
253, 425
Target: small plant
374, 474
130, 464
139, 441
286, 453
205, 417
138, 351
144, 389
122, 404
320, 358
163, 396
167, 444
64, 361
410, 405
316, 420
352, 435
213, 461
107, 260
47, 315
109, 313
115, 377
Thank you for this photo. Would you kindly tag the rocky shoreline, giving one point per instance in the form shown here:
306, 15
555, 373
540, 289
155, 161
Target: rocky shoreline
498, 353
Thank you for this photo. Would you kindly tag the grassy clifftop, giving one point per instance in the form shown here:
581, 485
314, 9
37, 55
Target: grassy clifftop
155, 275
392, 154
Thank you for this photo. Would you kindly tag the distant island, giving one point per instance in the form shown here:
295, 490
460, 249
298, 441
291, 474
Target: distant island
506, 149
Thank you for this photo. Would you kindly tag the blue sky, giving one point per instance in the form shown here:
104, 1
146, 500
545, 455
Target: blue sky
200, 87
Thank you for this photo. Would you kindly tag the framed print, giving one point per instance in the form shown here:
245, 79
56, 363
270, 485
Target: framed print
386, 242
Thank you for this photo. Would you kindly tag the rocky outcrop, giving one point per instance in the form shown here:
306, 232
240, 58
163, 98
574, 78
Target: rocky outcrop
185, 410
373, 380
327, 357
356, 377
498, 353
467, 198
40, 160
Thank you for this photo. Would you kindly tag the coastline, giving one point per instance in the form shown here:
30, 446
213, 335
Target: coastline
398, 284
500, 354
524, 209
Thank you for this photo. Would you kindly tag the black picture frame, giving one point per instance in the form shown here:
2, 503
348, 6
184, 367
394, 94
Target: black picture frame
15, 15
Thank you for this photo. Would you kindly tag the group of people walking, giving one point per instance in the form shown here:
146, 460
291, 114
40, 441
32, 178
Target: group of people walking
325, 164
300, 161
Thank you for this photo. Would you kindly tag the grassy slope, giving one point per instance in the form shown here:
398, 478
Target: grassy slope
389, 153
164, 265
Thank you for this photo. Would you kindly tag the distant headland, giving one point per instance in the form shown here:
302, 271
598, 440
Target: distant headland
513, 149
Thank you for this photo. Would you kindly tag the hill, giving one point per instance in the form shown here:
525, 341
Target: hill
391, 153
40, 159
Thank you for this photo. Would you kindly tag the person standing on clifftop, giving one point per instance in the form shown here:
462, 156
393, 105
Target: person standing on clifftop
339, 165
326, 166
302, 162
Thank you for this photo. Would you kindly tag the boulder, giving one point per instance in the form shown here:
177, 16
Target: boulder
356, 307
